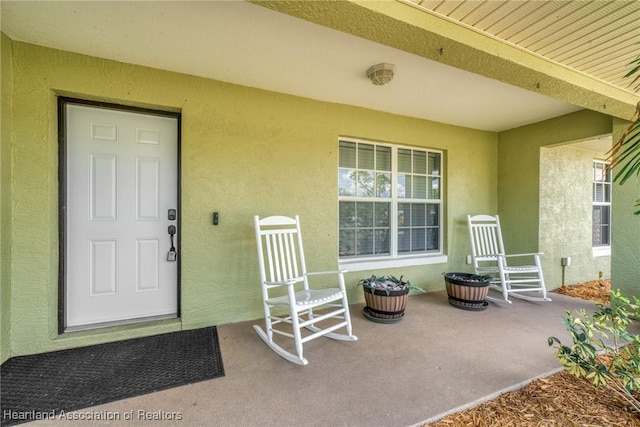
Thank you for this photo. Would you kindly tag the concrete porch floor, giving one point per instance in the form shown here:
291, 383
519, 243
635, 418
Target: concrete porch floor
436, 360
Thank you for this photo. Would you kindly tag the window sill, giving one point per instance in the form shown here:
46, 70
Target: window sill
600, 251
377, 264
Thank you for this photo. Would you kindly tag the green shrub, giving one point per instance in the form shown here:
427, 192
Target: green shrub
603, 350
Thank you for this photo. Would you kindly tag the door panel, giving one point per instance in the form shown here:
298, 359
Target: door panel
147, 189
122, 178
103, 187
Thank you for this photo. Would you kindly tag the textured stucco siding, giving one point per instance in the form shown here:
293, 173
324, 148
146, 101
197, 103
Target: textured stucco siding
520, 183
244, 152
565, 215
625, 252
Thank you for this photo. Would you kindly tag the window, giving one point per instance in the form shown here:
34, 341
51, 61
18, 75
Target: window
601, 204
390, 201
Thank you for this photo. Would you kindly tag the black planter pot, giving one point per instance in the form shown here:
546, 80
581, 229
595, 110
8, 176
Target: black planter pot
383, 307
467, 291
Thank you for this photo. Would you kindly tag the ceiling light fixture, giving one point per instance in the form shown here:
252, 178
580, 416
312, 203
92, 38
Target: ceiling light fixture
381, 74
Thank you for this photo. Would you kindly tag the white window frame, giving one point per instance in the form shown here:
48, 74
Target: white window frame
601, 250
395, 259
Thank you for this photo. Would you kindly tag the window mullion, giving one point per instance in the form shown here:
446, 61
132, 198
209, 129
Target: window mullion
394, 203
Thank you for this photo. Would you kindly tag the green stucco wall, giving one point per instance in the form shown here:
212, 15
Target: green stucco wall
5, 197
519, 182
566, 210
244, 152
625, 252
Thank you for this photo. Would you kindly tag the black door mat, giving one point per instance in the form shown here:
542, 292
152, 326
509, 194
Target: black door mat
34, 387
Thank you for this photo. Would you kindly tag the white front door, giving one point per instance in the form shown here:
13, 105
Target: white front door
121, 183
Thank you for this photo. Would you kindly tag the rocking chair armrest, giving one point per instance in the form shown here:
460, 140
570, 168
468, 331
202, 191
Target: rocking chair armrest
488, 256
285, 283
520, 255
507, 256
317, 273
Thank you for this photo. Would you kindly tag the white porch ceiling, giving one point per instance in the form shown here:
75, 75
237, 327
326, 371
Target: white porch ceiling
246, 44
599, 38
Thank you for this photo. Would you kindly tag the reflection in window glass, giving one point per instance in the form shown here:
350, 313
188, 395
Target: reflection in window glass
383, 193
408, 186
433, 243
433, 214
381, 245
402, 186
434, 164
347, 245
383, 184
404, 241
364, 214
434, 188
364, 228
365, 185
347, 215
346, 182
382, 214
416, 224
364, 242
601, 202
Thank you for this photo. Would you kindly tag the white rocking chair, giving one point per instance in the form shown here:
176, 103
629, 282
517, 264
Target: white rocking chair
281, 261
489, 258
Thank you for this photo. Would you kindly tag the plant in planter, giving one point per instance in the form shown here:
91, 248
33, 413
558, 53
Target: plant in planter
386, 297
467, 291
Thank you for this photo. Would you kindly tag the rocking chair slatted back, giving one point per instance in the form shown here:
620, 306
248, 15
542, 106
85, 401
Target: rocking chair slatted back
486, 238
281, 255
281, 250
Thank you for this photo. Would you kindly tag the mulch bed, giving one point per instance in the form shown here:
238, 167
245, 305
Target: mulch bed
597, 290
559, 400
